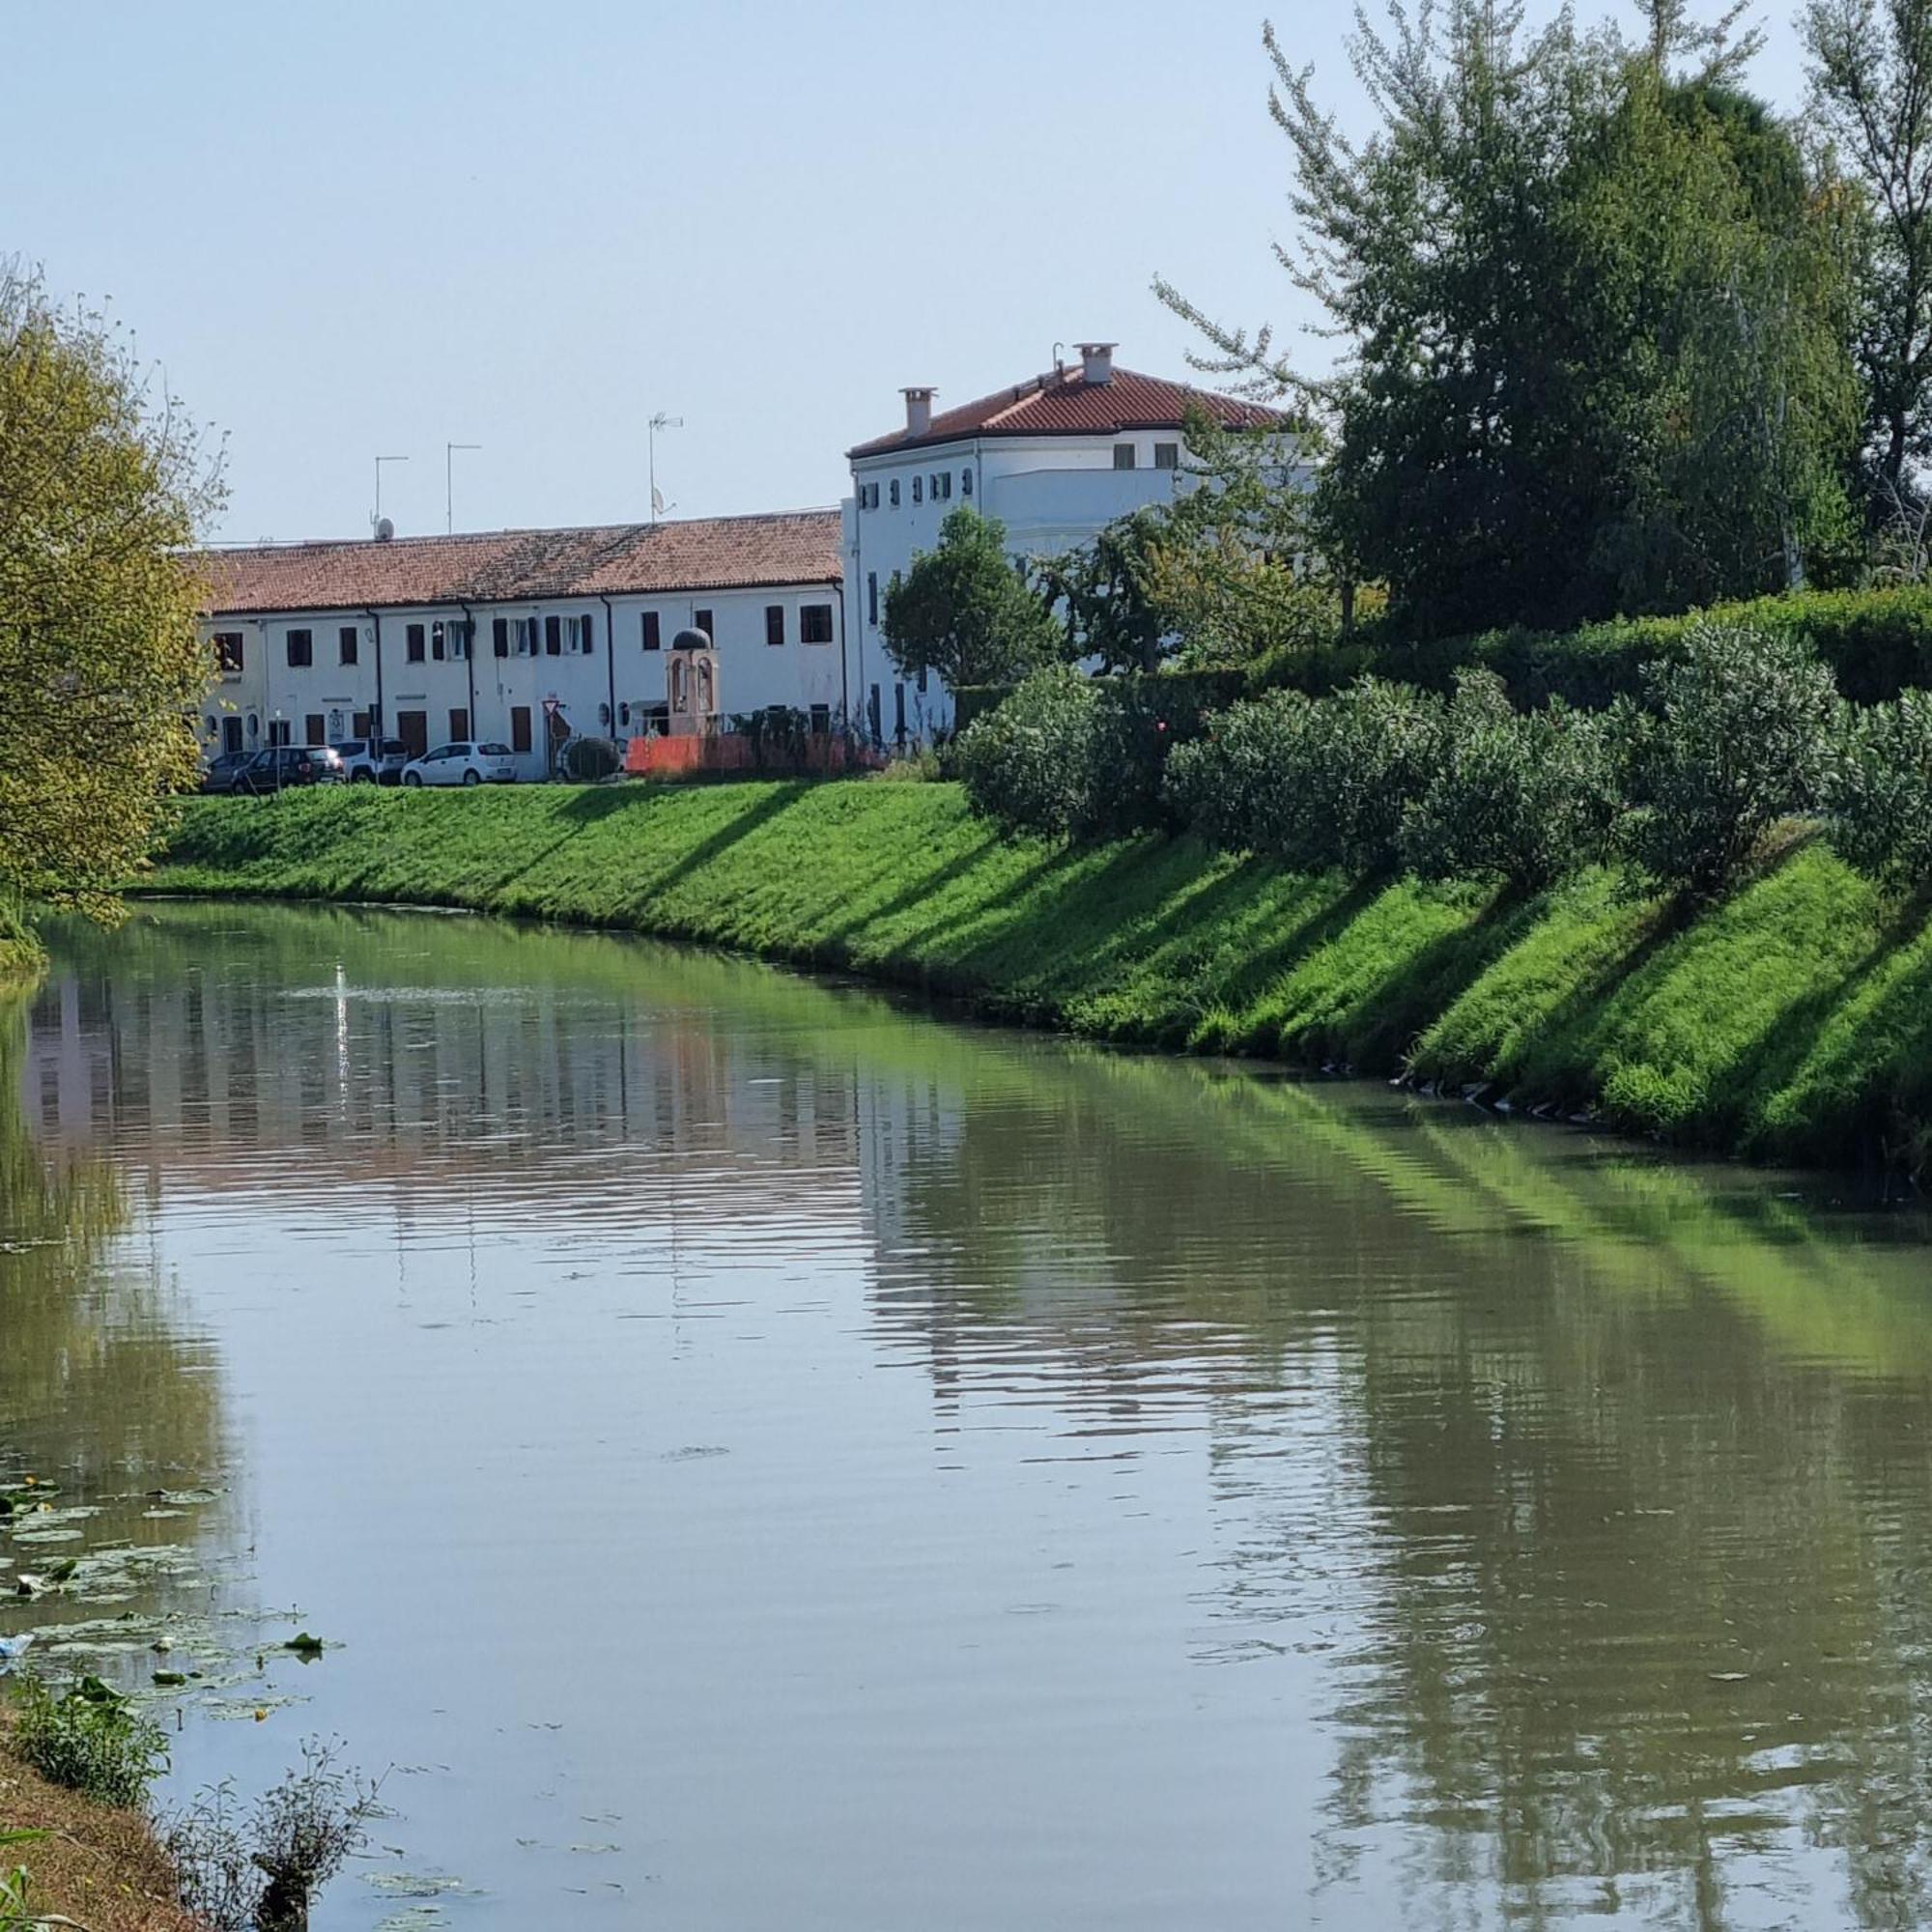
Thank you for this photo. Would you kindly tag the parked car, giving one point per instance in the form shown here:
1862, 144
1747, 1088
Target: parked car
463, 764
284, 766
224, 771
372, 761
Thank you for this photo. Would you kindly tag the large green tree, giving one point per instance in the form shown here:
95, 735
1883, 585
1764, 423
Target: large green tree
1870, 72
1592, 315
965, 611
104, 489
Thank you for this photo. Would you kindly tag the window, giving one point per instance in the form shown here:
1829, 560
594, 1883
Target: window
302, 649
278, 730
898, 711
500, 635
461, 632
1167, 456
459, 723
346, 640
526, 637
702, 619
209, 726
653, 638
775, 624
1124, 456
821, 721
921, 680
552, 636
438, 642
815, 624
520, 727
868, 495
315, 728
228, 652
919, 489
412, 643
965, 482
873, 598
579, 636
942, 484
896, 493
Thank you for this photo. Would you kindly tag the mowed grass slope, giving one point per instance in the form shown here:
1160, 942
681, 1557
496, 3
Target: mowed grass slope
1794, 1021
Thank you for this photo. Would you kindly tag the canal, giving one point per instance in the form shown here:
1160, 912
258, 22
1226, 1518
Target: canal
760, 1455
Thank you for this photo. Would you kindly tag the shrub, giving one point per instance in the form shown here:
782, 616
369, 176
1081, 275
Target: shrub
262, 1869
1877, 790
1314, 782
92, 1741
1732, 741
1524, 797
1028, 765
588, 759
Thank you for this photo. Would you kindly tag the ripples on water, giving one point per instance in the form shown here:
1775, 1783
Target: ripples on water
770, 1459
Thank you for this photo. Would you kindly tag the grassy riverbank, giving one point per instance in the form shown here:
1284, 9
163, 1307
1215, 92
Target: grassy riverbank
1792, 1022
91, 1865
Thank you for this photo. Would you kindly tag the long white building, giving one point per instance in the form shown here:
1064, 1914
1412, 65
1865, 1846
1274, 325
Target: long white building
528, 636
519, 636
1056, 457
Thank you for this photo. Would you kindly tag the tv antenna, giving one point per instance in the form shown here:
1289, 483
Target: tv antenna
375, 517
657, 422
449, 450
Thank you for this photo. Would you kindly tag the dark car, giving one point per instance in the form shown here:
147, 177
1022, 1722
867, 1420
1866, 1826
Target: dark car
223, 773
284, 766
372, 761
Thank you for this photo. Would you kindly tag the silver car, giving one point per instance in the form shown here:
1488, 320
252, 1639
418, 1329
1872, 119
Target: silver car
373, 761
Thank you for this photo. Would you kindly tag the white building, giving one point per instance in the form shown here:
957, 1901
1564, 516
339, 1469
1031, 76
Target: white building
486, 637
1056, 458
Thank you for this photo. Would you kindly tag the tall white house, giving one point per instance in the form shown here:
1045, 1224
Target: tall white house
1055, 458
522, 636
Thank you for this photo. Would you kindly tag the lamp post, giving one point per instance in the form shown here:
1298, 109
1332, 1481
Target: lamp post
657, 422
449, 450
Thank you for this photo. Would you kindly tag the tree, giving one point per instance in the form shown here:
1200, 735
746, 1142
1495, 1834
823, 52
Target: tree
1227, 568
104, 490
1592, 316
966, 612
1870, 73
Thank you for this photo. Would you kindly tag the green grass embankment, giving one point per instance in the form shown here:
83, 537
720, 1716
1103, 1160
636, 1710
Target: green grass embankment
1792, 1022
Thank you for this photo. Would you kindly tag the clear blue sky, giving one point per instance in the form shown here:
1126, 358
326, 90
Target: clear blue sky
353, 226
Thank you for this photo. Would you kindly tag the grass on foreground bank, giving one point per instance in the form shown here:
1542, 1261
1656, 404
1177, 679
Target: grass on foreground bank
1793, 1021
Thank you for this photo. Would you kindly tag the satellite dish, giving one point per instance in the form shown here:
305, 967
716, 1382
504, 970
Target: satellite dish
385, 530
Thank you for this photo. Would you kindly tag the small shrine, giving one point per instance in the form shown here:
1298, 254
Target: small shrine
691, 676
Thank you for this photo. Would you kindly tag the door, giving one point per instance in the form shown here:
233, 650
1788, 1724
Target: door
459, 723
520, 727
231, 734
316, 729
413, 728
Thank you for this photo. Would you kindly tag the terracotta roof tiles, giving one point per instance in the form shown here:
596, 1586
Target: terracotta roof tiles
1064, 403
516, 566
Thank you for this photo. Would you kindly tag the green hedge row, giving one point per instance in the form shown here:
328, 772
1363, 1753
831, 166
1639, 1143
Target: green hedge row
1876, 642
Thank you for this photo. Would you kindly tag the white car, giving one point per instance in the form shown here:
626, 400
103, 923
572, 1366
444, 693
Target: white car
463, 764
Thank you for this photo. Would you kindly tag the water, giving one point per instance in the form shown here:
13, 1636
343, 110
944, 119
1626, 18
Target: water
762, 1456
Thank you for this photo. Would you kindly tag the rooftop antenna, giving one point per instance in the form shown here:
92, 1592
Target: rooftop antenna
376, 519
449, 450
657, 422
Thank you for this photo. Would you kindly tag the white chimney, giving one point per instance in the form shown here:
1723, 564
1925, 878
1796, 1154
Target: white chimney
1096, 362
918, 411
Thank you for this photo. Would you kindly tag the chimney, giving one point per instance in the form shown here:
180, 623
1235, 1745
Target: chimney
1096, 362
918, 411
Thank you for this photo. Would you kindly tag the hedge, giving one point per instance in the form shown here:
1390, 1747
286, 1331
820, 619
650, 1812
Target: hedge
1876, 642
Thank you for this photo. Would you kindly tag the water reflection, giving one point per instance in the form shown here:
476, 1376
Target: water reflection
1314, 1506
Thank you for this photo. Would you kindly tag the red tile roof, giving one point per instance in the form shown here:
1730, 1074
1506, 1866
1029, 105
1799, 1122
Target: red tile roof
508, 566
1064, 403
